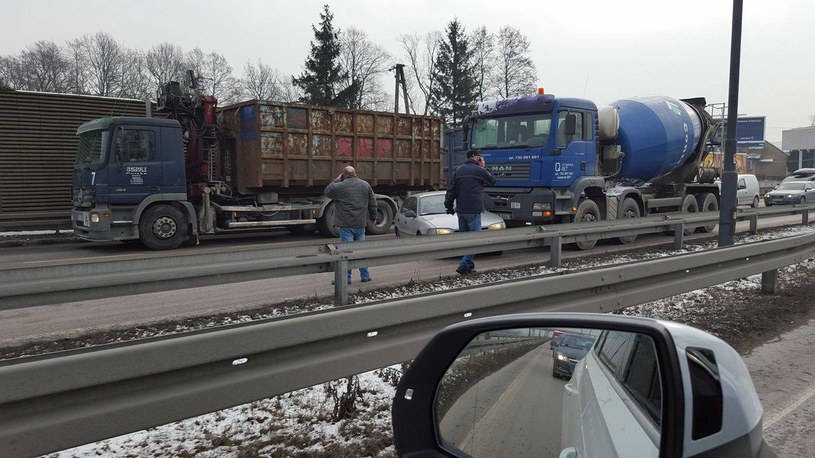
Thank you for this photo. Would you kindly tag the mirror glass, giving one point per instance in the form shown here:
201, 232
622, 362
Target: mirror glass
548, 392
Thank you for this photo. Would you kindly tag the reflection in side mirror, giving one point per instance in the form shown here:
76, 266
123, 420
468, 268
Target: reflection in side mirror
511, 393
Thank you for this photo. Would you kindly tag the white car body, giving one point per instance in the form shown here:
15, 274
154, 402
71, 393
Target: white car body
424, 214
602, 416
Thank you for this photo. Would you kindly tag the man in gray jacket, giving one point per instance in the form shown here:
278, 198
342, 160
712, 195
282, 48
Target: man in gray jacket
353, 201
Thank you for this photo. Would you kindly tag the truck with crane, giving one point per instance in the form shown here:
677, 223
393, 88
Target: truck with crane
195, 168
560, 160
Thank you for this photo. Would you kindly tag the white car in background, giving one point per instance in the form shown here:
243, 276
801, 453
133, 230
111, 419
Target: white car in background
424, 214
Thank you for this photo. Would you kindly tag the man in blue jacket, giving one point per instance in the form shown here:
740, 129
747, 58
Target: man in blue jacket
465, 196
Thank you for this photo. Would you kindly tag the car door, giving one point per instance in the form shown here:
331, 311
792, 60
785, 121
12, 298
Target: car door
742, 194
809, 192
407, 224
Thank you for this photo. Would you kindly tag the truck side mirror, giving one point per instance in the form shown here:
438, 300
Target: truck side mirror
495, 387
571, 124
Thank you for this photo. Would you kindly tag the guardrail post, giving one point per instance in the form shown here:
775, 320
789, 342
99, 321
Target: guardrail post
679, 235
555, 251
769, 281
805, 217
754, 224
341, 282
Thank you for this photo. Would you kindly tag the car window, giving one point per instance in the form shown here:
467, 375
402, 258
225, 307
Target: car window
135, 146
614, 350
409, 205
642, 377
433, 205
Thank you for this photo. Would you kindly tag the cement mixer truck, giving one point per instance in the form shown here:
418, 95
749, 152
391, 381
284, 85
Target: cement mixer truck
565, 159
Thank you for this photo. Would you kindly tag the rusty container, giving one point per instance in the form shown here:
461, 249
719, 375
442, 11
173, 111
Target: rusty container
298, 149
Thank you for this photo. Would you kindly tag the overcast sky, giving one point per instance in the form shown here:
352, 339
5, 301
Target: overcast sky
602, 50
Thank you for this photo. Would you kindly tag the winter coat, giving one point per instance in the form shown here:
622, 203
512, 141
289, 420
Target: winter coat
354, 202
466, 188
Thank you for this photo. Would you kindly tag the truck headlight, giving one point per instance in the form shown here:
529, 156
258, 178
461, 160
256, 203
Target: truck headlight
562, 357
497, 226
95, 218
440, 231
541, 206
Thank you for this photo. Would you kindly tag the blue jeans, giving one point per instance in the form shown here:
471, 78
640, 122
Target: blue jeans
352, 234
468, 222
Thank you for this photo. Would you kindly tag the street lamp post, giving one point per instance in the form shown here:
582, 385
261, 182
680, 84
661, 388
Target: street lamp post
727, 208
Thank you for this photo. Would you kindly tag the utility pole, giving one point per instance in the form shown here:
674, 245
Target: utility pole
400, 84
727, 209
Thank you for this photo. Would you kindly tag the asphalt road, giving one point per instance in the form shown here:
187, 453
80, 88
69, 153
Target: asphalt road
516, 411
75, 318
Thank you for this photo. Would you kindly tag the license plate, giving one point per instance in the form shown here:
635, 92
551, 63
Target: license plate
514, 205
86, 219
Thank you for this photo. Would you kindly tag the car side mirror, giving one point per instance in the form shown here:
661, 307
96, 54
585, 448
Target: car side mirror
410, 214
571, 124
495, 387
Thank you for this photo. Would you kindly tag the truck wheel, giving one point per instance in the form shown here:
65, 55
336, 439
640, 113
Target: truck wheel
587, 211
163, 227
629, 209
325, 223
689, 205
384, 219
707, 202
755, 202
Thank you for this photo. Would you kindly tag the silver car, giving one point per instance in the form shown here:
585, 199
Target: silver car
424, 214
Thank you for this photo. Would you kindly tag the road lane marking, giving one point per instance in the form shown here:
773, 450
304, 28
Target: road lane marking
808, 393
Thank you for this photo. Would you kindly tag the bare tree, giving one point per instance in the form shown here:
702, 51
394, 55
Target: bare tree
136, 80
105, 59
219, 79
11, 73
165, 62
365, 62
260, 82
515, 71
77, 57
43, 67
483, 60
421, 52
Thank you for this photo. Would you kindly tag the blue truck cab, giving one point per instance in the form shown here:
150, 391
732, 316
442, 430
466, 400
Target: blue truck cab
126, 168
541, 149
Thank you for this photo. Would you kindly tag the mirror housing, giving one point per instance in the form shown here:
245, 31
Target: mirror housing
410, 214
686, 356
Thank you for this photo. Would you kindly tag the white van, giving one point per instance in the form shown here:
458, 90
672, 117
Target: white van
747, 192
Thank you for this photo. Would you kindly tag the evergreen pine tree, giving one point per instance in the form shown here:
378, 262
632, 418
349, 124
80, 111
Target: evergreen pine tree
454, 92
321, 82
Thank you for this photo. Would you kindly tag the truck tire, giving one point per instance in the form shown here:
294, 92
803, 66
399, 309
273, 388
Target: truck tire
707, 202
163, 227
755, 202
325, 223
587, 211
689, 205
629, 209
384, 219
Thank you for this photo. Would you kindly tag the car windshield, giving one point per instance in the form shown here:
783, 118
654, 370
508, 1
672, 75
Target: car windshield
91, 151
578, 342
792, 186
511, 131
432, 205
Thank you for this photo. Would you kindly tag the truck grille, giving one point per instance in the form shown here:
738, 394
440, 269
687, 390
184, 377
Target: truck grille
510, 171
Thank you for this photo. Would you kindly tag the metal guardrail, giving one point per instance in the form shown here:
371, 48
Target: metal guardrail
62, 400
85, 281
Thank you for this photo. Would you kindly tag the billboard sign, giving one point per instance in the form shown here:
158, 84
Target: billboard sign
749, 131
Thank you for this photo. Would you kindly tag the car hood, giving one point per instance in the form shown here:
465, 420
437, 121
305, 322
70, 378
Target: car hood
784, 193
451, 221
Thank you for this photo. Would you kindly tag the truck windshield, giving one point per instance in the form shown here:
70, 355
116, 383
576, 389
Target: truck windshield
92, 149
511, 131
